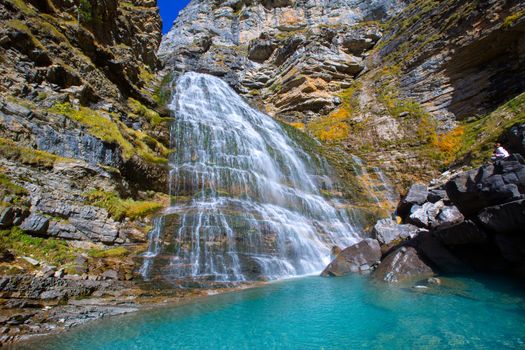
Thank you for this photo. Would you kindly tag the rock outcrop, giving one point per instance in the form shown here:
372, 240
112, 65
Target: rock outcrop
486, 236
361, 257
84, 143
353, 75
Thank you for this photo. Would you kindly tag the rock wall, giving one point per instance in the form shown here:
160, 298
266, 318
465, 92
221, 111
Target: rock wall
390, 81
84, 143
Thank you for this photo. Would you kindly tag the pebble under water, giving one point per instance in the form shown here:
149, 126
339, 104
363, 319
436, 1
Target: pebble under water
352, 312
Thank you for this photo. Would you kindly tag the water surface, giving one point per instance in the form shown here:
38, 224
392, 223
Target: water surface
319, 313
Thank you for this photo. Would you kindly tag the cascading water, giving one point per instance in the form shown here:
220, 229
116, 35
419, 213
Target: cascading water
247, 200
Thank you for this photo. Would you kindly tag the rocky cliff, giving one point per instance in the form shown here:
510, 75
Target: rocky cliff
83, 154
399, 83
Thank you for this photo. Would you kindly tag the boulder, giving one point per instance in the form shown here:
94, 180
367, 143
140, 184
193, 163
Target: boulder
512, 248
35, 224
110, 275
6, 255
492, 184
417, 195
7, 216
359, 257
507, 218
401, 265
387, 231
448, 216
466, 232
425, 215
436, 195
516, 139
436, 253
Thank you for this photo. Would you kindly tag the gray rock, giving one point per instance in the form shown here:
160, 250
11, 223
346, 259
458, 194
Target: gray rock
448, 216
466, 232
425, 215
507, 218
436, 195
492, 184
110, 275
354, 258
387, 231
35, 224
403, 264
417, 195
7, 216
32, 261
436, 253
516, 139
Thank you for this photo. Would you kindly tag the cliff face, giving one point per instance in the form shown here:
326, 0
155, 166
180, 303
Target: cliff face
391, 81
83, 147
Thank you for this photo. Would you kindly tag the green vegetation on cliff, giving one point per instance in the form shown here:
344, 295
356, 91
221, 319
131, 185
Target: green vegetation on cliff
122, 208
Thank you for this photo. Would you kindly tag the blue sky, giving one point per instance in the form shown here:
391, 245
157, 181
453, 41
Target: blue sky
169, 9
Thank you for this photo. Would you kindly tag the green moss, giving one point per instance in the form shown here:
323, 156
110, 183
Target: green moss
85, 11
163, 92
112, 131
109, 253
8, 186
23, 7
480, 134
52, 251
29, 156
510, 20
150, 115
121, 208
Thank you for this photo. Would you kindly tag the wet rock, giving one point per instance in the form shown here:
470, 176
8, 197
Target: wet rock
354, 258
417, 195
387, 231
466, 232
507, 218
35, 224
403, 264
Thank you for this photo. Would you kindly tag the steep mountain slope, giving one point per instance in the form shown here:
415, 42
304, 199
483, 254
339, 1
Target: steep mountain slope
388, 80
83, 152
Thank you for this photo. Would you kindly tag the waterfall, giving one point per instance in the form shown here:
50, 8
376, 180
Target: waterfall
247, 202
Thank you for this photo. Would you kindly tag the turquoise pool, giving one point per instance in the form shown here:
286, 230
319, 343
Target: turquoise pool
321, 313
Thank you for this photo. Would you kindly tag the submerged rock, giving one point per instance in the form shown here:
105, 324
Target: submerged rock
359, 257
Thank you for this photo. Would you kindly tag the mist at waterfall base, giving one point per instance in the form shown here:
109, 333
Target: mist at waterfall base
350, 312
248, 202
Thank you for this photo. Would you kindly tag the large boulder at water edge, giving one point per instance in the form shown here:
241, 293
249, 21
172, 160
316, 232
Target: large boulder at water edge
466, 232
357, 258
492, 184
403, 264
388, 231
